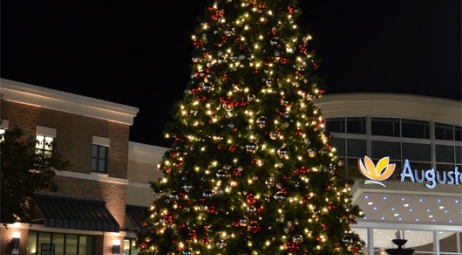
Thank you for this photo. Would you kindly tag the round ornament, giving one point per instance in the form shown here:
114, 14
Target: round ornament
311, 153
252, 147
279, 196
221, 244
261, 121
283, 152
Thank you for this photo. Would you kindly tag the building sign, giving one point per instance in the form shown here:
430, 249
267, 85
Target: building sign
376, 173
383, 170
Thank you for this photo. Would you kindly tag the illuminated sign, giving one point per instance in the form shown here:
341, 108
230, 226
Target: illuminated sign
376, 173
383, 170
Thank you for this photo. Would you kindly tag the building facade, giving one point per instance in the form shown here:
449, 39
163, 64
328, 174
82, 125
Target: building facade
91, 211
420, 138
98, 207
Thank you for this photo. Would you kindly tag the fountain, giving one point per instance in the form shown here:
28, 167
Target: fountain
400, 250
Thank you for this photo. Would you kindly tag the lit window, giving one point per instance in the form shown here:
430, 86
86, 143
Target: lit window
44, 146
3, 128
99, 158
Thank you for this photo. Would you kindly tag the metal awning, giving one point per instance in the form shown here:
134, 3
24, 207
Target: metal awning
73, 213
135, 215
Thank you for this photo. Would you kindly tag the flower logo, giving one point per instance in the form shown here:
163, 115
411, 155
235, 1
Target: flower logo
376, 173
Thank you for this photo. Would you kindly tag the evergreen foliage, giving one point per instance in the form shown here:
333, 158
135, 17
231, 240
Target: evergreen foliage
250, 169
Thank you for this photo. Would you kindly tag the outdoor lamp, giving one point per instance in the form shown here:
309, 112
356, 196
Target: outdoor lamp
116, 247
15, 243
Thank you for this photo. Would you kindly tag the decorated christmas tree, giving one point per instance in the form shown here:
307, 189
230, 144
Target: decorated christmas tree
250, 169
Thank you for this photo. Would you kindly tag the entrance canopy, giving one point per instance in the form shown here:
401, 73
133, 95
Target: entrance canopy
72, 213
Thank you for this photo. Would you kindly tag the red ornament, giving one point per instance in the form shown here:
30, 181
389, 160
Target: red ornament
198, 43
179, 164
253, 226
291, 246
168, 218
193, 234
211, 208
232, 148
167, 170
261, 5
291, 9
260, 209
274, 31
298, 132
250, 198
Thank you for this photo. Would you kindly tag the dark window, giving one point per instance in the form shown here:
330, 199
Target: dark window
352, 169
444, 153
339, 144
444, 132
415, 129
418, 152
99, 158
335, 125
356, 148
382, 149
385, 127
458, 133
356, 125
458, 154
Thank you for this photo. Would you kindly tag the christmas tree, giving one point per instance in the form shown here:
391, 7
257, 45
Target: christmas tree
250, 169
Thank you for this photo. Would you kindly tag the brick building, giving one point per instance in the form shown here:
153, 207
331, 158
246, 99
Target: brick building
101, 196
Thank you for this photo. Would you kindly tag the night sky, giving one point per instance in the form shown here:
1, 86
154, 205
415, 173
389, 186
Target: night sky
137, 53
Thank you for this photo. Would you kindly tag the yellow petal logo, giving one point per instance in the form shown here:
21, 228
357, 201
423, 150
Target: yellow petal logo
376, 173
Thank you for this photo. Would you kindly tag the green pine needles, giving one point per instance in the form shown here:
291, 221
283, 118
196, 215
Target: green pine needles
250, 169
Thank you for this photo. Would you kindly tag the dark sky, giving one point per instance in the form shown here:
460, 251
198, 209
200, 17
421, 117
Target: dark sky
137, 53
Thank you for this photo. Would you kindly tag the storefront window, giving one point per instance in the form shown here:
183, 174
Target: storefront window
130, 247
71, 245
362, 233
86, 245
447, 242
58, 241
43, 243
32, 243
420, 241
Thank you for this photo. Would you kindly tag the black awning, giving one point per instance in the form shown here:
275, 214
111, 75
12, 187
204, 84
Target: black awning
135, 215
73, 213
